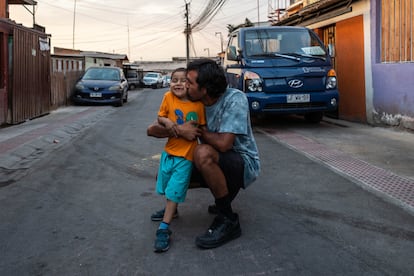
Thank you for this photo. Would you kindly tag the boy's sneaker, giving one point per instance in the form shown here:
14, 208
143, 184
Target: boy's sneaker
159, 215
162, 241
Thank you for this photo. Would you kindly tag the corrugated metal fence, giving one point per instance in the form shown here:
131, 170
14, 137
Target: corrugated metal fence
30, 81
65, 73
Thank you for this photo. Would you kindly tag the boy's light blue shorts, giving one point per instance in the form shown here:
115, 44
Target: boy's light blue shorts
173, 177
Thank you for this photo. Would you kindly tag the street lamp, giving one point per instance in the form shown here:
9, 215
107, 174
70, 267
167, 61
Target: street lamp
208, 51
221, 40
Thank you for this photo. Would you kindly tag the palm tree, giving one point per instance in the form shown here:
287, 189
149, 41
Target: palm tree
231, 28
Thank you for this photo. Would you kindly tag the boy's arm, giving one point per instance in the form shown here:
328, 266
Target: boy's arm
186, 131
169, 125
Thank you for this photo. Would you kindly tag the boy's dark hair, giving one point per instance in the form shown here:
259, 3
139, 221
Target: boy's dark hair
210, 76
180, 69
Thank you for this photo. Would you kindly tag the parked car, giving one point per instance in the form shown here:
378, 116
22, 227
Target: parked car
134, 78
106, 85
166, 81
152, 79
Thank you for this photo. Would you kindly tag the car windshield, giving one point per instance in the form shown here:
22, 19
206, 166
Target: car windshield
102, 74
281, 43
151, 75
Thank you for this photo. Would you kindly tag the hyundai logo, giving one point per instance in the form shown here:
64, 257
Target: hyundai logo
96, 88
295, 83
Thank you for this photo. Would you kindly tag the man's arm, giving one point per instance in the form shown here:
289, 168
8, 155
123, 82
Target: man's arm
157, 130
169, 125
220, 141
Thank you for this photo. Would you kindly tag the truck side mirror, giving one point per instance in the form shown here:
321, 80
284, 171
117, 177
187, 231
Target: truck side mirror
232, 53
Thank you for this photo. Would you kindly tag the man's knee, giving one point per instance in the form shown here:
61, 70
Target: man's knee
204, 154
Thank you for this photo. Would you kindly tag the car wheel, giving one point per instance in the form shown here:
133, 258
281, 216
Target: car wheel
121, 101
314, 117
126, 98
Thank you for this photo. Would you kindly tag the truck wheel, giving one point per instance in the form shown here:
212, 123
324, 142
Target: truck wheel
314, 117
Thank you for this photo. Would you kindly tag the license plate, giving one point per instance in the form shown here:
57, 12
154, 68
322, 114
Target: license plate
96, 95
298, 98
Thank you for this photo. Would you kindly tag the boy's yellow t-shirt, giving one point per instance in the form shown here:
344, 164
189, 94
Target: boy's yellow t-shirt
180, 112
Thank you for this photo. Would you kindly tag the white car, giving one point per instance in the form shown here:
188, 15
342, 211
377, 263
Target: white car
152, 79
166, 81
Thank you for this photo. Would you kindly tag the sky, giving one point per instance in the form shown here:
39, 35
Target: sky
145, 30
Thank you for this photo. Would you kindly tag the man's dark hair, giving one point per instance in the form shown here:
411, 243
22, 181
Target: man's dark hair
210, 76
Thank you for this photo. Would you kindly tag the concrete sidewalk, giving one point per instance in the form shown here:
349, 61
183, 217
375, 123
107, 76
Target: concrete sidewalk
22, 145
378, 159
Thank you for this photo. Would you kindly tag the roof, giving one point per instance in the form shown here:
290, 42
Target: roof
104, 55
22, 2
317, 11
78, 53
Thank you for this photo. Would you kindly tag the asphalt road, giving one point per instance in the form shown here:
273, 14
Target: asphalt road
83, 208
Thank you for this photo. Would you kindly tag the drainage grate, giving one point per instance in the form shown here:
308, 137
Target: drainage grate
392, 186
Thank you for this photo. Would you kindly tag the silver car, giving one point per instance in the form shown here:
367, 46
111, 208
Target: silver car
152, 79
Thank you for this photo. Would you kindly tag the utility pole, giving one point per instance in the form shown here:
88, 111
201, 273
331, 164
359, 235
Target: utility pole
221, 40
129, 44
74, 17
187, 33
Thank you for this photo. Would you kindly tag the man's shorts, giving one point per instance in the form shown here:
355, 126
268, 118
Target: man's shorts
173, 177
232, 165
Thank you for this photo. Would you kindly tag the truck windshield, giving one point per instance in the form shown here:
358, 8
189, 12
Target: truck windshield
282, 43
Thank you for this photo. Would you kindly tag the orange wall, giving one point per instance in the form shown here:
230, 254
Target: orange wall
3, 10
350, 69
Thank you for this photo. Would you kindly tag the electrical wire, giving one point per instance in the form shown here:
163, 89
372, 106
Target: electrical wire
207, 15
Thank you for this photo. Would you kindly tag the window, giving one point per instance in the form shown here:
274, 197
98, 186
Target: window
397, 29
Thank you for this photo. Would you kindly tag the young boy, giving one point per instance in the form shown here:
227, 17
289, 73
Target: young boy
176, 160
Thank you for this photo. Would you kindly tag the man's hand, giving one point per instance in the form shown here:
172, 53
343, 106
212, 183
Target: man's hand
188, 130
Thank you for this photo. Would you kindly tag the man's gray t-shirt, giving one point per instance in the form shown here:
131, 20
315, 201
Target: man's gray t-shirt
230, 114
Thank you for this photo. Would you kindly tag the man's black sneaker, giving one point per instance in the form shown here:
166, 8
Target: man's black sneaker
212, 209
221, 231
159, 215
162, 241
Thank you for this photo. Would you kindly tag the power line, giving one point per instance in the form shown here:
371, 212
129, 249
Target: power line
207, 15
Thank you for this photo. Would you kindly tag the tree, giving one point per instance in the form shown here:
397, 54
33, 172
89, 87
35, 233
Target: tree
231, 28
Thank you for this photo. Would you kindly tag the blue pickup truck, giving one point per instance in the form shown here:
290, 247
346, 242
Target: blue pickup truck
282, 70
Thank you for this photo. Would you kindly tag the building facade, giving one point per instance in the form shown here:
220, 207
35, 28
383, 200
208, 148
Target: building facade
373, 54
